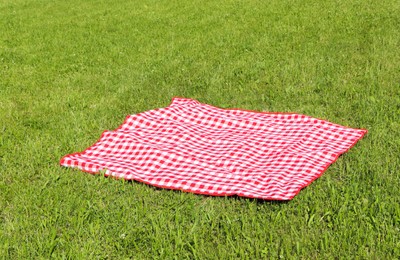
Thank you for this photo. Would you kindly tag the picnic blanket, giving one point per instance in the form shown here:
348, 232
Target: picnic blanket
203, 149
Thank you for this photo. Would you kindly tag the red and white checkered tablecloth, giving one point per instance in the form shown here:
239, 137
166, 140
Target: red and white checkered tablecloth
203, 149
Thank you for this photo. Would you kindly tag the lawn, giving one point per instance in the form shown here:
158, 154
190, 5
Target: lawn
71, 69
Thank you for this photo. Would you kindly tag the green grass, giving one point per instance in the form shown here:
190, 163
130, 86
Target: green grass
71, 69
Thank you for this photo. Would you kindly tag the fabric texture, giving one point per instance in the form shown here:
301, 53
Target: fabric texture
203, 149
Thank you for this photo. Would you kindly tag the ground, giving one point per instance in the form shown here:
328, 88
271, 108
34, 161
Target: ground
70, 70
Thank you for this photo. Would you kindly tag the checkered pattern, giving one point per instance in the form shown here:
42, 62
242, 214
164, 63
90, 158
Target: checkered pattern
202, 149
